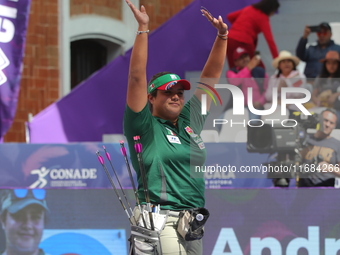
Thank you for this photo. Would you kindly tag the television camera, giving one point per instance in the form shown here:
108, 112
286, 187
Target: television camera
286, 140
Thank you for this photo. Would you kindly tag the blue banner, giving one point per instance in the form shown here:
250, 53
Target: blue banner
76, 165
59, 165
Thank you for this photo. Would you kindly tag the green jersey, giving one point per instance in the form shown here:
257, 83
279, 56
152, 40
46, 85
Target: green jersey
170, 155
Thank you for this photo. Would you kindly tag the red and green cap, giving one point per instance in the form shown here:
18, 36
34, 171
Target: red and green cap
166, 81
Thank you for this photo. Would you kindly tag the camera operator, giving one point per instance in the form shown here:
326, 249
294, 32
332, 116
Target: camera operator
321, 156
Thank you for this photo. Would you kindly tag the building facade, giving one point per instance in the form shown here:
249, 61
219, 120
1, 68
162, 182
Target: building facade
68, 40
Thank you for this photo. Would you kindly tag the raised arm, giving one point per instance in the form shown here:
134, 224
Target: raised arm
137, 84
268, 35
215, 62
301, 47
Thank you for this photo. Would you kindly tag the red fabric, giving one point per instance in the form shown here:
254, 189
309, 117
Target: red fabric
246, 24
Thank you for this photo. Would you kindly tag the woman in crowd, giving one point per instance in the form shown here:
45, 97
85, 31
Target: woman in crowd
286, 75
170, 132
247, 23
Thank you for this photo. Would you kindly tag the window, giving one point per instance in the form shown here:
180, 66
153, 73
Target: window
87, 56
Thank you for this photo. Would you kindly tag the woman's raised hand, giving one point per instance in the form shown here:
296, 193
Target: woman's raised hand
141, 16
218, 23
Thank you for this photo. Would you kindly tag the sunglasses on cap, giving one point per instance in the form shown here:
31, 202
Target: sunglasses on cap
322, 33
30, 193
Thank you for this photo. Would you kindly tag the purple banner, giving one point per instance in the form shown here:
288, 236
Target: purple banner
13, 24
276, 221
253, 221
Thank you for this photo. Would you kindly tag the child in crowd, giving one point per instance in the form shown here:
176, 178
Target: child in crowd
247, 74
286, 75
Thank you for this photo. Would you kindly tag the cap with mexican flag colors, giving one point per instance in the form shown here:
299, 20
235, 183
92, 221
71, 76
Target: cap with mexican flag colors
166, 81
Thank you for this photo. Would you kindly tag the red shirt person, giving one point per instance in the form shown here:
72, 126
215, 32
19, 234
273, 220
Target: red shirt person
247, 23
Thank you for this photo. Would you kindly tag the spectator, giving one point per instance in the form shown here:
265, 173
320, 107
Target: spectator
247, 74
314, 53
23, 214
322, 154
327, 85
286, 76
247, 23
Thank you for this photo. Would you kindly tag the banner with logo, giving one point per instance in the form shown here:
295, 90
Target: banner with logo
59, 165
242, 221
76, 165
13, 25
